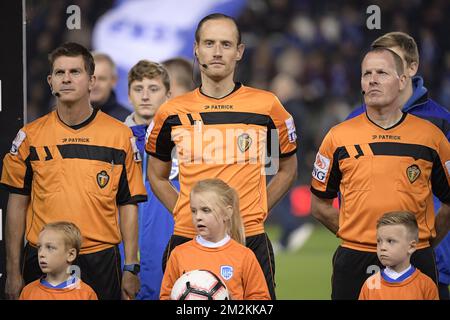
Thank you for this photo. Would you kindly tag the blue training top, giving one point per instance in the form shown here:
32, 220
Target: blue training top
155, 224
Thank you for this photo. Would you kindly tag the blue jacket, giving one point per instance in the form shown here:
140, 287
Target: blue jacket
155, 224
420, 105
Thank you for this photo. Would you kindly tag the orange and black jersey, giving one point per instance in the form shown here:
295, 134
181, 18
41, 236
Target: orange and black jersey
78, 174
380, 170
225, 138
415, 286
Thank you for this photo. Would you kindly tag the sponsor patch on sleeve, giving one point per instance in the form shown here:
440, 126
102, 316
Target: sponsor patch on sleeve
447, 165
136, 155
21, 135
321, 167
292, 135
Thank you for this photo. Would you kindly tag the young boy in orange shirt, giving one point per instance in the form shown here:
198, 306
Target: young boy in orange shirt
58, 246
397, 236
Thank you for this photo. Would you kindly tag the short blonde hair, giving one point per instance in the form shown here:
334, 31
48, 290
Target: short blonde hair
402, 218
227, 196
402, 40
71, 233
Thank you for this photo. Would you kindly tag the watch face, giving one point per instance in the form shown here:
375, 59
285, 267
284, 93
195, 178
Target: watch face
133, 268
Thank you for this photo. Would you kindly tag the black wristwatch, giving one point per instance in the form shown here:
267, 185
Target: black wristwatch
133, 268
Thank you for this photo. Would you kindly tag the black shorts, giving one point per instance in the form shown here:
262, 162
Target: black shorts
259, 244
444, 293
101, 270
350, 270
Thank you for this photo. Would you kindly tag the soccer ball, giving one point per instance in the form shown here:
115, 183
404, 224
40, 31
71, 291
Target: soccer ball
199, 285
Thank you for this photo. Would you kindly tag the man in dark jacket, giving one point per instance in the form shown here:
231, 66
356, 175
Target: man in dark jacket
102, 95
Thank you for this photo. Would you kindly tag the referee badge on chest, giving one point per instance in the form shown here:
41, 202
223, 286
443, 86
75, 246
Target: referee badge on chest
244, 142
102, 179
413, 172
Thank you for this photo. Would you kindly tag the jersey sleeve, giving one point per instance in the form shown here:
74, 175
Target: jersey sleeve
159, 142
431, 291
131, 186
440, 175
170, 276
91, 294
364, 294
255, 285
17, 173
23, 294
284, 123
27, 291
326, 175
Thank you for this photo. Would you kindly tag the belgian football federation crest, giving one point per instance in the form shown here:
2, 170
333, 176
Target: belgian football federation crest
226, 272
244, 142
413, 172
102, 179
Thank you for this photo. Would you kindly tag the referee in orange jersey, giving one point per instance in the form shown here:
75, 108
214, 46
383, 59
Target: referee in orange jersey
75, 164
220, 107
380, 161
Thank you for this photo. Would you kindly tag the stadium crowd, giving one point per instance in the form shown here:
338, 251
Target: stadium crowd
306, 52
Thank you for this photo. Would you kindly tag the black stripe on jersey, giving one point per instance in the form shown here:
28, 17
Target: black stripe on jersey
135, 200
415, 151
439, 183
236, 117
341, 153
191, 120
360, 152
48, 154
11, 189
33, 156
215, 118
164, 143
335, 178
123, 193
100, 153
288, 154
27, 180
323, 194
258, 119
335, 173
271, 126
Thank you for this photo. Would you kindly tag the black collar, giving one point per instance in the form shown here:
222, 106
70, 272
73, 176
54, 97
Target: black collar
391, 127
237, 86
84, 123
